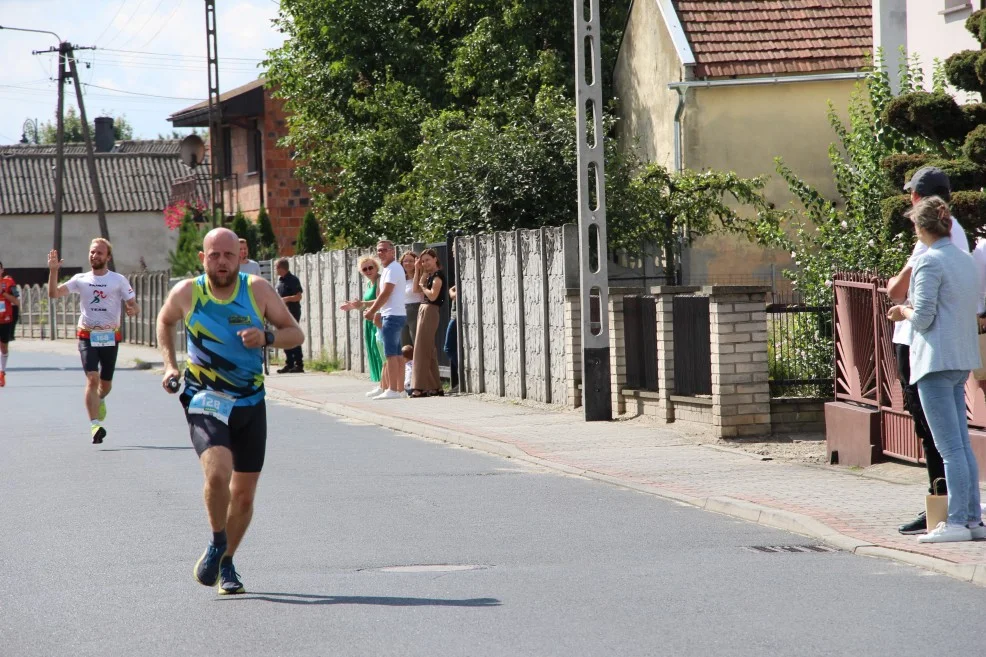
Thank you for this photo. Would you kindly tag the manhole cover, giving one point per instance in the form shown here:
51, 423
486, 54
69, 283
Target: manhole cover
793, 549
432, 568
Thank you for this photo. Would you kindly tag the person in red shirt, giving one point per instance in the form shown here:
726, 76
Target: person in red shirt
8, 307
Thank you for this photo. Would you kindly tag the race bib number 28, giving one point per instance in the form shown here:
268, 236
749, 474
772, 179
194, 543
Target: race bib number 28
210, 402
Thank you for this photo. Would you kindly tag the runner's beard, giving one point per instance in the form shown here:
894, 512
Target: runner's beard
97, 264
218, 280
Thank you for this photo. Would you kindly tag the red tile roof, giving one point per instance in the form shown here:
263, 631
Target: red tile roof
766, 37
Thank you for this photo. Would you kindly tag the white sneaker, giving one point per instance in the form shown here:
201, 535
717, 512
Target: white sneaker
375, 392
978, 531
945, 533
388, 394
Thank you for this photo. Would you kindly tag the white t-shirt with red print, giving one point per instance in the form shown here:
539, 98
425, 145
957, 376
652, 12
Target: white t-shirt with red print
100, 299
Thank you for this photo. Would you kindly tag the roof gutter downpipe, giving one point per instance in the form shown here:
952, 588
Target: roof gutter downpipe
682, 93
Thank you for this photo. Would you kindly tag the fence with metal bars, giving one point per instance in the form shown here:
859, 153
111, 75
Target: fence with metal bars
800, 348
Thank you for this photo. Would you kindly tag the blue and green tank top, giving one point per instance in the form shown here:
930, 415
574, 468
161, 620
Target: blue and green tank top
217, 359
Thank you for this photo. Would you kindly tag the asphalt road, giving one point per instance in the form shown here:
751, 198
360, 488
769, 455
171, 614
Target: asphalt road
97, 545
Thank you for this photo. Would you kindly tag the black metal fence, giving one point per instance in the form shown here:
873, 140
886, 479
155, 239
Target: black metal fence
800, 349
640, 342
692, 346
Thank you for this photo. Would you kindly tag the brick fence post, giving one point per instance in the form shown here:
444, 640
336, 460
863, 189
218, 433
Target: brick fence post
740, 388
665, 295
617, 356
573, 346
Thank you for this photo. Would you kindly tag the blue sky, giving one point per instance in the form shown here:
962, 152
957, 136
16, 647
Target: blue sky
154, 47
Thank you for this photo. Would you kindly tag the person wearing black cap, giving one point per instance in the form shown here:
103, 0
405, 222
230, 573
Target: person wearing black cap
926, 182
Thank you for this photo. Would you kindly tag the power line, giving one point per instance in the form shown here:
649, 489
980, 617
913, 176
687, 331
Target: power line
146, 23
119, 32
164, 24
174, 55
112, 20
137, 93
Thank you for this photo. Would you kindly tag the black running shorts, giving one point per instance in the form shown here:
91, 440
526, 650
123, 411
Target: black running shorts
98, 359
7, 332
245, 435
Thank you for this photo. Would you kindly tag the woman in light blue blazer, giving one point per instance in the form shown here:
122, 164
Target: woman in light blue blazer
943, 294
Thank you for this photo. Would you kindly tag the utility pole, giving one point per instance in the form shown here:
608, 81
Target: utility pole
60, 150
97, 192
594, 278
66, 68
217, 162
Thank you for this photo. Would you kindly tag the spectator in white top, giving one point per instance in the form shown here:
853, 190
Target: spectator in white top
247, 266
926, 182
412, 299
393, 313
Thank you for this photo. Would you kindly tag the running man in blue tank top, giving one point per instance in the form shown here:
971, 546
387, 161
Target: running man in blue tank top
224, 313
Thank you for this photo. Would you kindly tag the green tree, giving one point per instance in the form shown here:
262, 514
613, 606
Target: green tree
185, 258
309, 235
48, 132
869, 163
245, 229
471, 99
660, 206
267, 248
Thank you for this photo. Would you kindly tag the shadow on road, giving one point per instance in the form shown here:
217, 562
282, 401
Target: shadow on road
76, 368
129, 448
304, 599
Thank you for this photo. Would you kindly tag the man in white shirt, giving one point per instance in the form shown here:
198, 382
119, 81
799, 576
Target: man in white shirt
390, 304
102, 293
926, 181
248, 266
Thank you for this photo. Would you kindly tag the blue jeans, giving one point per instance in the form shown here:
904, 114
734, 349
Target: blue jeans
943, 398
390, 334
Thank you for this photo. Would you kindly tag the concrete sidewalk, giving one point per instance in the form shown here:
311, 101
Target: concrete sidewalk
851, 512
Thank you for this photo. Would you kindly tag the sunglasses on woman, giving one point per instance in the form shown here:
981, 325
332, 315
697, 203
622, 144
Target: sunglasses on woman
368, 268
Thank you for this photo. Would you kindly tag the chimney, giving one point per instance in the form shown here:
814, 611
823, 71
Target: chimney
104, 134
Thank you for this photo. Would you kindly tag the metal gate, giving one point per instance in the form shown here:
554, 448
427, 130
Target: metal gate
692, 346
640, 342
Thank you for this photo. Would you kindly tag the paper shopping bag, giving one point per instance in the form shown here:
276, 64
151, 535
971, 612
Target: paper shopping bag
936, 506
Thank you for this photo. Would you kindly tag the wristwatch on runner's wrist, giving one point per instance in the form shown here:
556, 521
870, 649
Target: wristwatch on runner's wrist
268, 338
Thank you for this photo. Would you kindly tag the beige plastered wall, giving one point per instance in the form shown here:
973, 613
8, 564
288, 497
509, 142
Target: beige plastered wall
739, 129
26, 239
646, 64
742, 129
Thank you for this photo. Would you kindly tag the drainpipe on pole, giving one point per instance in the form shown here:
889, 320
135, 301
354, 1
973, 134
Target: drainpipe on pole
682, 92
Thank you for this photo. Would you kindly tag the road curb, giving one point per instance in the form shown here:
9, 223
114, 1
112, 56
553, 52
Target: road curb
789, 521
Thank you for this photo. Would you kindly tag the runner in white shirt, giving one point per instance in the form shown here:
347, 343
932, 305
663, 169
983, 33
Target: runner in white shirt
102, 295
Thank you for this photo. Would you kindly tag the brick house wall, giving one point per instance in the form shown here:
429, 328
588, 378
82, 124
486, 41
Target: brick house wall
287, 197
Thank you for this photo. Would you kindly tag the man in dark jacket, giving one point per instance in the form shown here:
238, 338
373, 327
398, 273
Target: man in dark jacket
289, 289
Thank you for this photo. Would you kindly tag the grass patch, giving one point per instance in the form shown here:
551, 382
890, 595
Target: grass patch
323, 365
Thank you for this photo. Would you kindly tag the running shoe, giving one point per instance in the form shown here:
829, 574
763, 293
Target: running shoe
207, 568
98, 433
229, 580
3, 379
102, 410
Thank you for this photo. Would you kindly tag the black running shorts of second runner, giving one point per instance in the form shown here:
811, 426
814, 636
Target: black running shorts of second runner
7, 332
245, 435
98, 359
